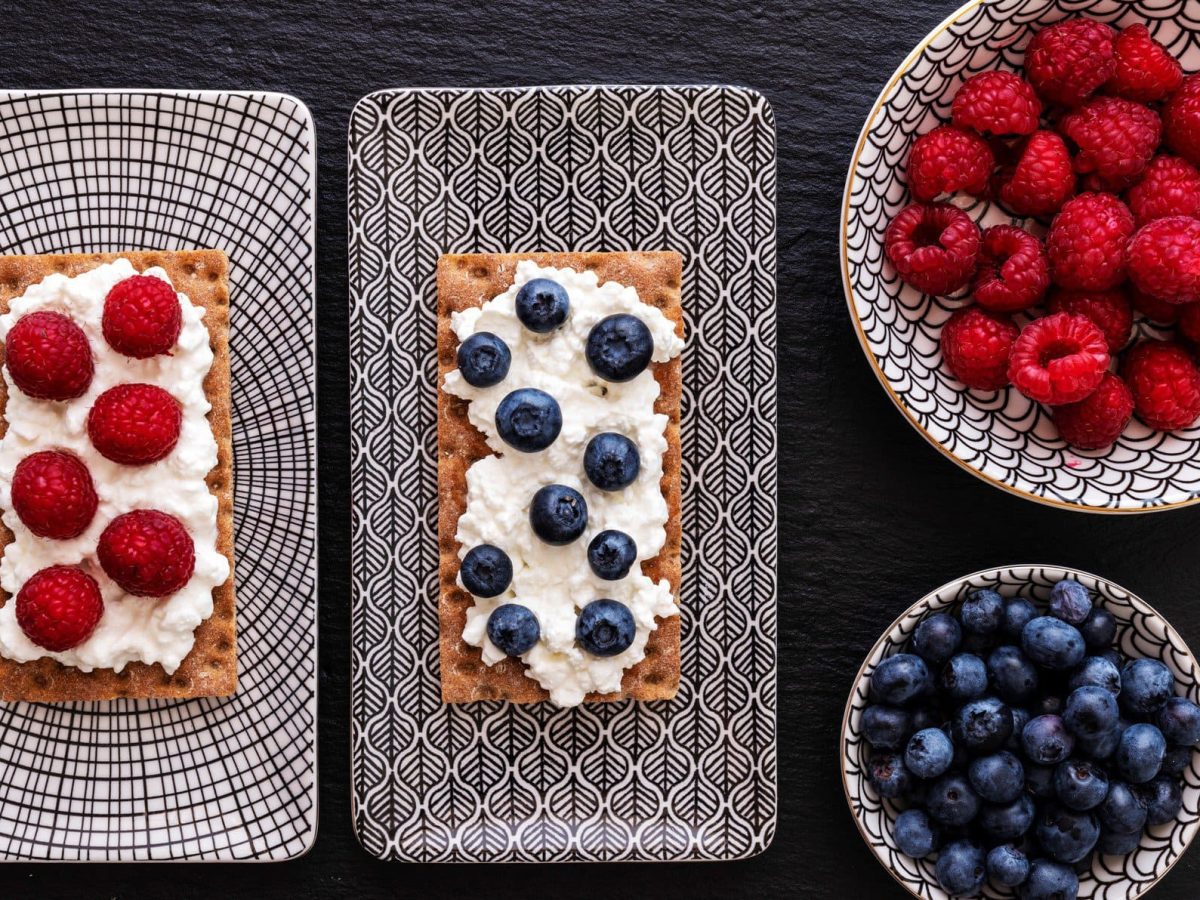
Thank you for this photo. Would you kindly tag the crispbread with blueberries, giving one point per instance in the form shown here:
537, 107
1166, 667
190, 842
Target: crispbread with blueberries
470, 280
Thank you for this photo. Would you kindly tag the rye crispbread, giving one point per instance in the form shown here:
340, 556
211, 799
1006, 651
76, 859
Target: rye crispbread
470, 280
211, 668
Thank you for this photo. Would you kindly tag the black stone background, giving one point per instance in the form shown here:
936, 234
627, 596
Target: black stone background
871, 518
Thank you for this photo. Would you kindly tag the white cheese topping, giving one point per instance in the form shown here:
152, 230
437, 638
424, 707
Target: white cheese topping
141, 629
557, 582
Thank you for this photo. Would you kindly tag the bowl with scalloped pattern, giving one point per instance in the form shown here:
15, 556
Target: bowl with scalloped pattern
1002, 437
1141, 632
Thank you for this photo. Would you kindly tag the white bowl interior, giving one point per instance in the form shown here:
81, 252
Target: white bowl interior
1003, 437
1142, 632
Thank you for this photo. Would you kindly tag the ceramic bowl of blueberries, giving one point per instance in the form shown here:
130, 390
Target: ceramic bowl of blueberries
1099, 444
1027, 731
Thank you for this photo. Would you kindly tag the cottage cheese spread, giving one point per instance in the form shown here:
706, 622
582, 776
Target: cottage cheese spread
557, 582
141, 629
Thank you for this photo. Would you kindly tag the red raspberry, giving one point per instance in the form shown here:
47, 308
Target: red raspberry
1164, 259
1013, 270
53, 494
1096, 421
1039, 179
948, 160
1058, 359
1189, 321
1111, 311
1116, 139
1152, 308
142, 317
58, 608
1165, 385
1145, 71
49, 357
976, 345
147, 553
1181, 120
934, 248
1170, 186
997, 103
135, 424
1087, 242
1069, 61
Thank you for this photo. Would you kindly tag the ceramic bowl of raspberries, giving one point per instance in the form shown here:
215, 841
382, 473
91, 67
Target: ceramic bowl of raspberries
1021, 248
1027, 731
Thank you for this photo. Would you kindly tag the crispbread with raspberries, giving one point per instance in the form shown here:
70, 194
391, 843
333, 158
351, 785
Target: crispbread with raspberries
469, 280
210, 670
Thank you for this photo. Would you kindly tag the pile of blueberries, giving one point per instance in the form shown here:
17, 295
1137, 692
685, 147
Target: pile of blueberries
1019, 743
619, 347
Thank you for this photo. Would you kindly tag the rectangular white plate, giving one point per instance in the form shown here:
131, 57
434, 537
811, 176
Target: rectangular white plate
558, 169
231, 779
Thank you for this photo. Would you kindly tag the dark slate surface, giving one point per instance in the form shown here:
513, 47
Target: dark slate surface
871, 517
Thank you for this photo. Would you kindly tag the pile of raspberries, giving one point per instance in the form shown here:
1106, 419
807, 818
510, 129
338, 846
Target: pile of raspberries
1101, 139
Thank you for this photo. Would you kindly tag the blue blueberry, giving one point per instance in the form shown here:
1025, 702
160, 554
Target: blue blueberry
929, 753
927, 717
1052, 643
900, 678
961, 868
1080, 784
611, 554
542, 305
1049, 880
558, 514
1018, 612
887, 775
1098, 671
1066, 835
998, 778
1101, 746
1176, 761
611, 461
1007, 866
982, 612
1039, 781
1070, 601
606, 628
1118, 843
1046, 741
982, 726
1010, 821
916, 835
483, 359
964, 677
979, 644
1012, 676
1140, 753
1099, 629
1049, 705
1123, 809
513, 628
1091, 711
528, 420
1146, 686
885, 727
1164, 800
619, 347
936, 638
486, 571
951, 800
1179, 721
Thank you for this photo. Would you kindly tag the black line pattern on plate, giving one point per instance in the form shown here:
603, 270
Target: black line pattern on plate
690, 169
201, 779
1003, 436
1140, 632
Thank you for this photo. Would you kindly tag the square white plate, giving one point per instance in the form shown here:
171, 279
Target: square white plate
557, 169
231, 779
